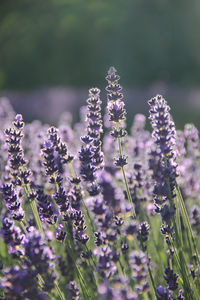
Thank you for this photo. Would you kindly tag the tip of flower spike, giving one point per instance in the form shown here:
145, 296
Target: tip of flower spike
19, 117
154, 100
112, 71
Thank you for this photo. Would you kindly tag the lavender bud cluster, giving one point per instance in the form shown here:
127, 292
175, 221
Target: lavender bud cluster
162, 159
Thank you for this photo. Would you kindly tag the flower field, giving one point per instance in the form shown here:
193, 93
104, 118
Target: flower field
91, 211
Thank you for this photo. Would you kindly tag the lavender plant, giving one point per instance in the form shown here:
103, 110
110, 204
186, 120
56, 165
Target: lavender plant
89, 211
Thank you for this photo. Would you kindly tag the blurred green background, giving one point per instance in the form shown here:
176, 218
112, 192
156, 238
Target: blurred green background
72, 43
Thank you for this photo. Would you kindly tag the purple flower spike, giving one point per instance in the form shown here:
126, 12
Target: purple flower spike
19, 117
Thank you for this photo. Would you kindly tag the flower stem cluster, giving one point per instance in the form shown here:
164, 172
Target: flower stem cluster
91, 155
162, 160
55, 156
117, 113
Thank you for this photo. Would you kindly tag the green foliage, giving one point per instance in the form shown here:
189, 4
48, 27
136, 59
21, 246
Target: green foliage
74, 41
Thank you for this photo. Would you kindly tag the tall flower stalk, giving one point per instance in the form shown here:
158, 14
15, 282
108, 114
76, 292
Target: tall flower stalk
163, 164
117, 115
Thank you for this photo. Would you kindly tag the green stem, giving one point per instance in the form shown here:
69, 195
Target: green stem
27, 191
91, 256
179, 242
83, 288
180, 261
123, 172
88, 216
156, 245
150, 275
178, 222
91, 267
23, 226
70, 252
187, 222
145, 296
61, 295
148, 264
120, 268
36, 216
78, 272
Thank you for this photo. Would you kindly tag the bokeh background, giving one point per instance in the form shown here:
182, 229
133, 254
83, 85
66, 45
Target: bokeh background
52, 51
